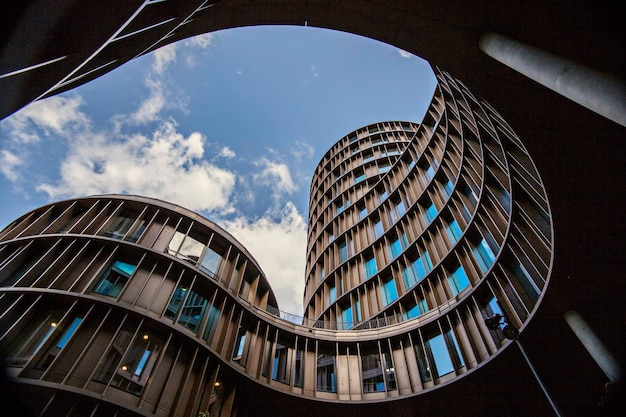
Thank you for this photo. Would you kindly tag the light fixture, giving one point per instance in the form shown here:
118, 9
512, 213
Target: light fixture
217, 384
145, 337
53, 324
124, 368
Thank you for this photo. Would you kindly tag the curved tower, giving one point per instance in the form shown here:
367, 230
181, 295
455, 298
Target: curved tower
130, 306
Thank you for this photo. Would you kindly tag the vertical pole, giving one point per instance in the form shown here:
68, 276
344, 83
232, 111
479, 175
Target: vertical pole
596, 91
543, 387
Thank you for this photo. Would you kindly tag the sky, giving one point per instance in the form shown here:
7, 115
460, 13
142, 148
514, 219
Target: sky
229, 124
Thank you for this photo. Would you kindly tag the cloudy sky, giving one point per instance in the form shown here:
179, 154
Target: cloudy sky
229, 124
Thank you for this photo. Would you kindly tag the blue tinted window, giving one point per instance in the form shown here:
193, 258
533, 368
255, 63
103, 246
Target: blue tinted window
114, 279
431, 212
408, 277
458, 280
484, 255
332, 293
378, 229
210, 262
395, 248
454, 231
443, 363
390, 292
69, 332
370, 267
343, 251
347, 320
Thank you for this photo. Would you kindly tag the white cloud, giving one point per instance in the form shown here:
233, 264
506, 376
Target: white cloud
53, 115
314, 72
239, 72
226, 152
150, 108
279, 246
275, 175
201, 41
166, 165
302, 149
403, 53
8, 162
163, 57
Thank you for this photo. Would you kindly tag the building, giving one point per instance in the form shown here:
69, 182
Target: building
129, 306
578, 152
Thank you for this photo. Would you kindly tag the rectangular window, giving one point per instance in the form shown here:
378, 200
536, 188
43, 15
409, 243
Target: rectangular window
421, 266
359, 176
362, 213
332, 293
447, 187
114, 279
372, 373
279, 366
240, 343
382, 195
347, 320
454, 231
429, 172
370, 267
483, 255
395, 248
416, 309
119, 227
34, 337
378, 228
408, 276
210, 262
389, 292
211, 324
458, 280
440, 355
343, 251
383, 168
430, 211
176, 301
326, 372
54, 352
193, 310
131, 372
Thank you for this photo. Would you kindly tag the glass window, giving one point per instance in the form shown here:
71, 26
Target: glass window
343, 251
378, 228
370, 267
359, 176
326, 372
332, 293
372, 373
240, 343
61, 343
390, 373
279, 365
176, 301
191, 250
382, 195
440, 355
447, 187
362, 213
114, 279
131, 372
400, 209
408, 277
347, 320
429, 172
178, 238
193, 310
395, 248
210, 262
119, 227
40, 328
211, 324
483, 255
454, 231
415, 309
430, 211
389, 292
458, 280
383, 168
525, 280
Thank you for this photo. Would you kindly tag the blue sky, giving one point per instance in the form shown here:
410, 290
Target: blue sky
229, 124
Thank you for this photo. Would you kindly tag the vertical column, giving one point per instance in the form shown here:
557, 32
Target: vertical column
596, 91
594, 346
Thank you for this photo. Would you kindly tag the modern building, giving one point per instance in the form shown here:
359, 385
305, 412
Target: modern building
531, 60
130, 306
